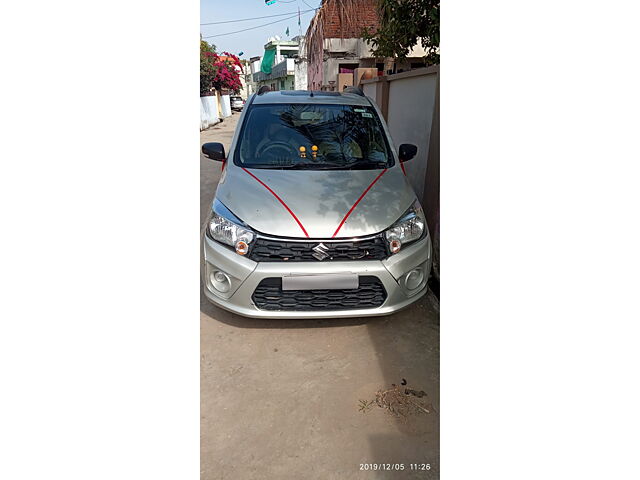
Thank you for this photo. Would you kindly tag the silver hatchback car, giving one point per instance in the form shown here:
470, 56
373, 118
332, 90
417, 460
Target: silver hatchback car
313, 215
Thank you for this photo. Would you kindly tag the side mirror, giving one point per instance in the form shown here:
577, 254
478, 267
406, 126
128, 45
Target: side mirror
214, 150
407, 151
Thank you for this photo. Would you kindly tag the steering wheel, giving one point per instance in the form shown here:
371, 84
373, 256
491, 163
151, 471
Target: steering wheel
282, 147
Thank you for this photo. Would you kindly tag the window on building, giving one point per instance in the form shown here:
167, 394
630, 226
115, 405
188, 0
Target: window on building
347, 67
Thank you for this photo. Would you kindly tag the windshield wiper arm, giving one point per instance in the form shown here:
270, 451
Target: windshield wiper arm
364, 165
298, 166
268, 166
324, 166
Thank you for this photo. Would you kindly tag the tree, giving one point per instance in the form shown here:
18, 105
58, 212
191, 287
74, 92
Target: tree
208, 70
228, 70
219, 72
402, 24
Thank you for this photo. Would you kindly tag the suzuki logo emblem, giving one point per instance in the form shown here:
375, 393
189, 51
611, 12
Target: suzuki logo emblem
320, 251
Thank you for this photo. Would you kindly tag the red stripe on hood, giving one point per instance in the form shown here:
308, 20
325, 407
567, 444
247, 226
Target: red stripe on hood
357, 202
279, 199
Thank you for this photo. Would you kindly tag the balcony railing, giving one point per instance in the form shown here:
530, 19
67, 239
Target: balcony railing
282, 69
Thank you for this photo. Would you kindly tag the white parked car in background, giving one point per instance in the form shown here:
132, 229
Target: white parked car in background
237, 103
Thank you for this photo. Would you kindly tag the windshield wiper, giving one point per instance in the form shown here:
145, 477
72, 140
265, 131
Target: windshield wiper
299, 166
268, 166
363, 165
324, 166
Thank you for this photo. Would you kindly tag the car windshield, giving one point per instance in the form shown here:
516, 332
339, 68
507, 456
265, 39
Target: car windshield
313, 137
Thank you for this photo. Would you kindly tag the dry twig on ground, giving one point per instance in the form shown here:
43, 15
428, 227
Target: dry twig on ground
400, 402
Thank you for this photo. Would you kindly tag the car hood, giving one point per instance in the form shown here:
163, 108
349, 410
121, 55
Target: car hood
319, 200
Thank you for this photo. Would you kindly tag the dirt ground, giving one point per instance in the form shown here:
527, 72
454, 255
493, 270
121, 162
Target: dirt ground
281, 399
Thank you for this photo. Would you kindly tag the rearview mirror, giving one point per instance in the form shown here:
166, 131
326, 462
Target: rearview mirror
214, 151
407, 151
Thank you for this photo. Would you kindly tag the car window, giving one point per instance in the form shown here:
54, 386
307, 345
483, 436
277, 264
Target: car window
314, 137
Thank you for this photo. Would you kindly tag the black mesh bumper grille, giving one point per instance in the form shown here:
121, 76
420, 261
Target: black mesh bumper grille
269, 295
269, 250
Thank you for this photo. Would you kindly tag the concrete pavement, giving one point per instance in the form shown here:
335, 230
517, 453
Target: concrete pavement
280, 398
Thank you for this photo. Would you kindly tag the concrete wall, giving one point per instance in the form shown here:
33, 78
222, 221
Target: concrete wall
339, 51
255, 65
352, 51
245, 82
280, 83
315, 73
301, 69
370, 91
378, 90
225, 104
407, 101
285, 51
410, 112
283, 71
347, 48
410, 105
208, 111
431, 196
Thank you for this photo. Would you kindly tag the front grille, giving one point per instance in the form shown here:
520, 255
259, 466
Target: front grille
272, 250
269, 295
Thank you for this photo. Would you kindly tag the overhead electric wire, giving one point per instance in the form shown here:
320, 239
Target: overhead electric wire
252, 28
315, 8
258, 18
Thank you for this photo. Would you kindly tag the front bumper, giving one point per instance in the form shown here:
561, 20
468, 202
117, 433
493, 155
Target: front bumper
245, 275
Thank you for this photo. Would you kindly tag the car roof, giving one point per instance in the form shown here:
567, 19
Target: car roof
306, 96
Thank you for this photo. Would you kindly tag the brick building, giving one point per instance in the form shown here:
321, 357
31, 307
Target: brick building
337, 26
335, 45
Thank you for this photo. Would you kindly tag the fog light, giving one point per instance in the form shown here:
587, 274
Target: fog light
414, 278
220, 281
241, 247
394, 245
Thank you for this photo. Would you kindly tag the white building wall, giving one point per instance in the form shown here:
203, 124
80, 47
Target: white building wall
410, 113
300, 73
255, 65
208, 111
225, 103
369, 90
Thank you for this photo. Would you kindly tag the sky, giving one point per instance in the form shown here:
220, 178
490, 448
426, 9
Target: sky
252, 41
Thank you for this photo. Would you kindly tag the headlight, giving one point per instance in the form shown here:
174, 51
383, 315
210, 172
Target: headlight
409, 228
224, 227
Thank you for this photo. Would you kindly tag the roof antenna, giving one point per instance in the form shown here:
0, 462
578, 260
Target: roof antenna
311, 93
